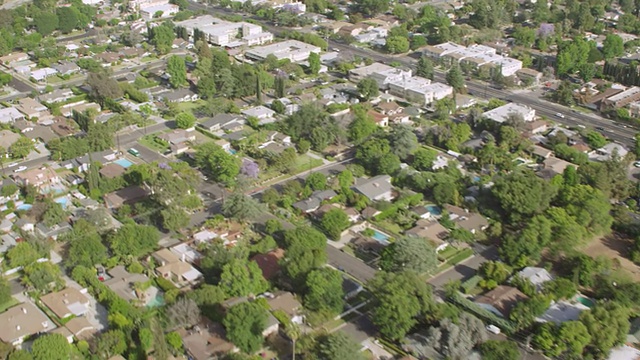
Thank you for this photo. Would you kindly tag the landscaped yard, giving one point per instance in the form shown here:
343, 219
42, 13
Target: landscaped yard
615, 247
152, 142
305, 163
8, 304
190, 105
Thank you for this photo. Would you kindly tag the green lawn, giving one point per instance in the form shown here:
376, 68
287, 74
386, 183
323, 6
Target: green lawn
12, 302
190, 106
305, 163
153, 143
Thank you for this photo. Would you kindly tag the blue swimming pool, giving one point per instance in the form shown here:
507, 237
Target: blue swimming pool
62, 201
232, 152
157, 301
123, 162
24, 207
585, 301
433, 210
380, 237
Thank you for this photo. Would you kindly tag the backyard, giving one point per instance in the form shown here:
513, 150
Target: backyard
616, 247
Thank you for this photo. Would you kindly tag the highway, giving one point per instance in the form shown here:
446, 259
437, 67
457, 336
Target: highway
612, 130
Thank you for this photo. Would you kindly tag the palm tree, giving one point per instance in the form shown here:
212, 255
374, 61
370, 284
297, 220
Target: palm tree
293, 332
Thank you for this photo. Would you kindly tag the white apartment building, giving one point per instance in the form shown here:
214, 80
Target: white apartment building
147, 13
225, 33
476, 55
438, 51
420, 90
293, 50
386, 77
360, 73
137, 5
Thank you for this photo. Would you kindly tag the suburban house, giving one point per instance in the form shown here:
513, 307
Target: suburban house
67, 302
125, 285
472, 222
504, 112
269, 263
376, 188
10, 114
66, 68
262, 113
57, 95
432, 231
172, 268
314, 201
222, 120
80, 328
555, 166
287, 303
562, 311
536, 276
206, 341
394, 111
111, 171
178, 140
31, 108
128, 195
42, 178
22, 321
501, 300
607, 152
180, 95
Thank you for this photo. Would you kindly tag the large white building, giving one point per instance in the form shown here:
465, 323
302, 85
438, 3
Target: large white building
420, 90
224, 33
148, 13
474, 55
502, 113
293, 50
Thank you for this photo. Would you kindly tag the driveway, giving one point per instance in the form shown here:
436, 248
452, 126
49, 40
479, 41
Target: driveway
350, 265
464, 270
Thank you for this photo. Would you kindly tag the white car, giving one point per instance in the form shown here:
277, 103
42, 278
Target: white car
21, 168
12, 165
637, 164
560, 115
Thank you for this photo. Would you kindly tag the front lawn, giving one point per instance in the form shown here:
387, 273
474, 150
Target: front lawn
153, 142
11, 303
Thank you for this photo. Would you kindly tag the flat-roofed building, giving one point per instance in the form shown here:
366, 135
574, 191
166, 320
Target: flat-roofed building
502, 113
293, 50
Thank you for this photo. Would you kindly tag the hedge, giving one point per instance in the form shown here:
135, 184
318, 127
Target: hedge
165, 284
462, 255
482, 313
471, 283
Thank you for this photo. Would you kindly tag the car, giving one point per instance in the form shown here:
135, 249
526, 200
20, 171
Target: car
560, 115
637, 164
134, 152
12, 165
599, 128
19, 169
493, 329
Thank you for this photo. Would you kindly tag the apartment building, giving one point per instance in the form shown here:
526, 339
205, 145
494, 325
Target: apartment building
293, 50
225, 33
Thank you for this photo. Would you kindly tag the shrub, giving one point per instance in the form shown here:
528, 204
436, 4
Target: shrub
165, 284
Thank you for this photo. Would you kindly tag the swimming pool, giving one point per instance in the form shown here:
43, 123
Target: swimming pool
380, 237
123, 162
157, 301
433, 210
232, 152
62, 201
585, 301
24, 207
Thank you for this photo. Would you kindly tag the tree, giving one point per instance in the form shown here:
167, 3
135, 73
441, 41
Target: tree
22, 254
21, 148
423, 159
242, 278
68, 18
241, 207
499, 350
397, 44
177, 70
334, 222
54, 214
314, 63
110, 343
522, 194
403, 141
425, 67
46, 22
146, 339
222, 166
455, 79
595, 139
305, 251
410, 253
162, 37
51, 347
103, 87
608, 324
575, 336
362, 126
371, 8
185, 120
524, 36
20, 355
183, 313
338, 345
174, 219
399, 298
324, 291
245, 323
368, 88
175, 341
612, 46
86, 251
43, 276
316, 181
455, 340
133, 240
560, 288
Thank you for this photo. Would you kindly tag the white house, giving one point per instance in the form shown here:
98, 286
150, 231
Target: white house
502, 113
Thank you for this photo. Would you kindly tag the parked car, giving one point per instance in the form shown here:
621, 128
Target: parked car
493, 329
21, 168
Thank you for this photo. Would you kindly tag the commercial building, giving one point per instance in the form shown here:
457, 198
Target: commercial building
225, 33
420, 90
474, 55
502, 113
163, 10
293, 50
622, 99
360, 73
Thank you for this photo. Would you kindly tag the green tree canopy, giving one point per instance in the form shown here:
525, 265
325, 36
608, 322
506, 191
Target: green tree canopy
222, 166
242, 278
305, 251
51, 347
410, 253
185, 120
133, 240
245, 323
324, 291
177, 70
338, 345
334, 222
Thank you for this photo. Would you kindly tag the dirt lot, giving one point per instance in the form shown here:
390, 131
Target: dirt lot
614, 246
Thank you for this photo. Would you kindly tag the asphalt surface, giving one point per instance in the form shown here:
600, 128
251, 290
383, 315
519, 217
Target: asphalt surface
464, 270
350, 265
612, 130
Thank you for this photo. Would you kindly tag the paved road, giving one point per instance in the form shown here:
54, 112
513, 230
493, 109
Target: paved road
612, 130
464, 270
